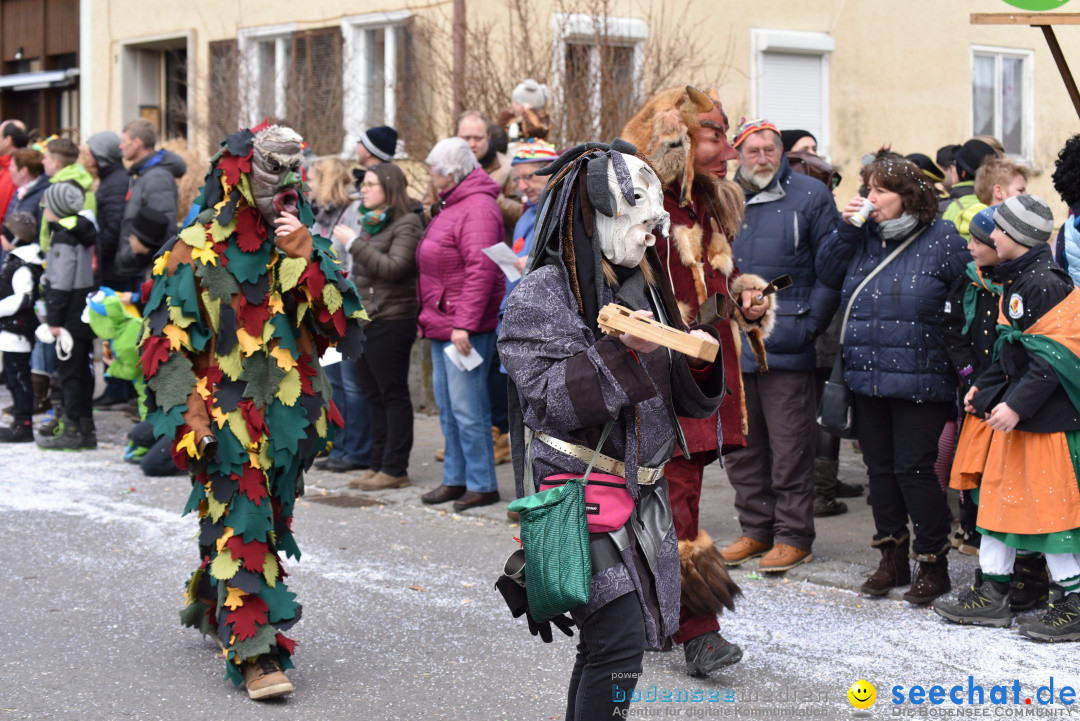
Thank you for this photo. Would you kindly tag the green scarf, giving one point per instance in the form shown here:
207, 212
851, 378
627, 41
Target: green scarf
373, 221
972, 291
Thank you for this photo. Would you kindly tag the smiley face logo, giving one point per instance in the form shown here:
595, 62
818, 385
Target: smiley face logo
862, 694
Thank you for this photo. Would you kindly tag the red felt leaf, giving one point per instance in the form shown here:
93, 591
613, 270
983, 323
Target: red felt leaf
286, 643
233, 167
155, 351
247, 619
213, 376
147, 286
250, 231
338, 318
252, 555
253, 484
334, 415
252, 317
313, 278
256, 424
180, 457
303, 366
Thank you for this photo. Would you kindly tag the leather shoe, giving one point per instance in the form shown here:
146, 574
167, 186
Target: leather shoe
743, 550
472, 499
379, 482
849, 490
442, 494
783, 557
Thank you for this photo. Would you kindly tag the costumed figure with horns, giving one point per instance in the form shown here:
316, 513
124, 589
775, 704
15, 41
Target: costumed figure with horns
682, 132
598, 220
239, 309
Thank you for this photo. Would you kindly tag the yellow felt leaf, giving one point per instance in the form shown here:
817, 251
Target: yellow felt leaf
264, 454
331, 297
239, 427
267, 334
161, 262
247, 342
219, 417
275, 304
284, 358
223, 566
193, 587
289, 390
204, 508
177, 317
244, 187
301, 308
224, 538
235, 599
194, 235
360, 315
320, 425
201, 387
270, 569
215, 508
213, 309
230, 364
187, 443
220, 233
289, 272
253, 458
177, 337
205, 254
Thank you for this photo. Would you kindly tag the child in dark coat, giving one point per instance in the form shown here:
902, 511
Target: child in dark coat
19, 279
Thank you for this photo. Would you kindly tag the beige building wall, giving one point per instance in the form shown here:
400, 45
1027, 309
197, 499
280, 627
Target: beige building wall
900, 73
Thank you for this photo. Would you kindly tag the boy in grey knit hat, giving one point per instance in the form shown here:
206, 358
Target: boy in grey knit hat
1029, 396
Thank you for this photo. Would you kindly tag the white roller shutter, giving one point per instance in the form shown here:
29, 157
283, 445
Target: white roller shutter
791, 93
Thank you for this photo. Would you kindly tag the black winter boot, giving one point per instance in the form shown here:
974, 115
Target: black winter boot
893, 570
825, 483
87, 434
66, 437
1030, 584
931, 577
40, 383
21, 431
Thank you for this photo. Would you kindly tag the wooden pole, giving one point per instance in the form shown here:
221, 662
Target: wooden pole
1063, 67
459, 57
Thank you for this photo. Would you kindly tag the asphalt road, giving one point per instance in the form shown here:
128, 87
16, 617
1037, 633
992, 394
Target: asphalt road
400, 617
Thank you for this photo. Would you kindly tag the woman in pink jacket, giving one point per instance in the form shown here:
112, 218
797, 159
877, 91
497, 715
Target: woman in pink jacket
460, 290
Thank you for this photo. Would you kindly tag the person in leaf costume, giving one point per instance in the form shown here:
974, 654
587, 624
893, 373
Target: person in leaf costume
240, 307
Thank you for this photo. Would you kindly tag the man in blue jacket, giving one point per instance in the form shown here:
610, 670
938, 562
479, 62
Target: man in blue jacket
788, 216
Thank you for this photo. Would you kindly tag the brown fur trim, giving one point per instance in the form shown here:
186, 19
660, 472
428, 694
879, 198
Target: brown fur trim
742, 390
688, 242
707, 589
764, 325
721, 257
684, 310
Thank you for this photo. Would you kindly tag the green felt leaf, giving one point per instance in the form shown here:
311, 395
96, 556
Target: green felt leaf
248, 267
173, 383
301, 309
224, 567
289, 272
166, 423
284, 333
193, 615
198, 493
288, 544
306, 214
289, 391
233, 455
263, 640
245, 190
321, 424
262, 375
200, 336
331, 297
231, 364
221, 234
321, 383
217, 508
213, 309
181, 289
217, 281
194, 235
238, 426
286, 427
251, 521
352, 303
280, 602
193, 584
270, 569
157, 293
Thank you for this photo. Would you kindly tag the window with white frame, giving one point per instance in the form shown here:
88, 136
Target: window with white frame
1002, 97
265, 60
377, 62
597, 68
790, 81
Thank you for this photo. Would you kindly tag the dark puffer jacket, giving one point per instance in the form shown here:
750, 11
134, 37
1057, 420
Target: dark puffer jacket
152, 184
112, 201
786, 225
894, 346
384, 268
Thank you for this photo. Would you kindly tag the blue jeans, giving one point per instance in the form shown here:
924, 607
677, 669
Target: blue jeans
465, 416
352, 443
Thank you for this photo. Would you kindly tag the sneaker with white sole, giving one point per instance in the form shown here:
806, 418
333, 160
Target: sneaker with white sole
265, 679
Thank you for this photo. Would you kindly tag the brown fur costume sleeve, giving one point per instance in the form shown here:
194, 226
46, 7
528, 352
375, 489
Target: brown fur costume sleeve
756, 330
707, 589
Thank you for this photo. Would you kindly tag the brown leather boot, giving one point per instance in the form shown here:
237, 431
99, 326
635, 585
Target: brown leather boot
931, 577
265, 679
893, 570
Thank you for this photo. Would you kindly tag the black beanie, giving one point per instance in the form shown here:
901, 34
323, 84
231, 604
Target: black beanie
151, 227
789, 137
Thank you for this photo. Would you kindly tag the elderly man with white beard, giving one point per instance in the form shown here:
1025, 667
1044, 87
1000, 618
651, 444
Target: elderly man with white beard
788, 216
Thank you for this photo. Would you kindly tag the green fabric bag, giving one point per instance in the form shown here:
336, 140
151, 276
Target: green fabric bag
555, 537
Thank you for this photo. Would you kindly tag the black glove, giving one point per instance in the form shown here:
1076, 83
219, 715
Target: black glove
518, 602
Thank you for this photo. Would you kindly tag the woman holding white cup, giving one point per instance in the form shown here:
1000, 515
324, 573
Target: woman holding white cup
896, 364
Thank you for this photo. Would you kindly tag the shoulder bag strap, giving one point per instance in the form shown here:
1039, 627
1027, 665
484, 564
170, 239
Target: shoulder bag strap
870, 276
596, 453
530, 435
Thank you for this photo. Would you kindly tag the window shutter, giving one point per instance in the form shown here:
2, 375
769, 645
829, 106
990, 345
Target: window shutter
315, 89
224, 106
790, 92
408, 87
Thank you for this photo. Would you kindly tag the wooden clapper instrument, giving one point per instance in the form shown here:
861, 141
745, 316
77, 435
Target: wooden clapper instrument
615, 319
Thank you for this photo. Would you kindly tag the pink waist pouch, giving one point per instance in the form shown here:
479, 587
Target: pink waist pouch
607, 502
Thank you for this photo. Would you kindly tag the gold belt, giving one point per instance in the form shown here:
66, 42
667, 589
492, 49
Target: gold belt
606, 464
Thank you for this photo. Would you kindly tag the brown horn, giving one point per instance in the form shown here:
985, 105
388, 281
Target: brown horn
702, 101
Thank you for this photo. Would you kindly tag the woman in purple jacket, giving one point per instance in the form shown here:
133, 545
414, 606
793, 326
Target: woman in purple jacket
460, 290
